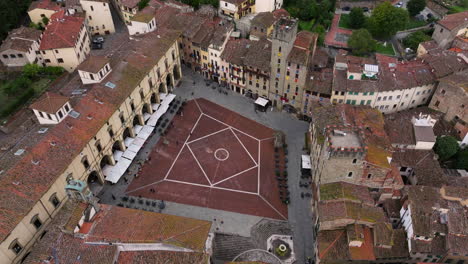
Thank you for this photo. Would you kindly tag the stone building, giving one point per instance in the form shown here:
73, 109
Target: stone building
435, 221
88, 234
98, 16
38, 10
21, 47
349, 144
236, 9
83, 143
447, 28
451, 98
65, 41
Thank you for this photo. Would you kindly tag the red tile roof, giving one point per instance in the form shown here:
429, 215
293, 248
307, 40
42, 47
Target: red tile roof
147, 227
62, 32
280, 13
49, 102
454, 20
143, 257
44, 4
305, 40
25, 183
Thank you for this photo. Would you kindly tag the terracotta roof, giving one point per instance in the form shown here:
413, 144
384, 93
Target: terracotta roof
454, 21
25, 183
147, 227
93, 64
279, 13
49, 102
111, 222
235, 2
235, 50
397, 125
263, 20
445, 62
144, 257
130, 3
345, 191
21, 39
306, 40
62, 31
44, 4
430, 45
347, 210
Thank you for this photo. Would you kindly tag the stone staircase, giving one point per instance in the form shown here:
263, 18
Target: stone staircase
227, 247
266, 228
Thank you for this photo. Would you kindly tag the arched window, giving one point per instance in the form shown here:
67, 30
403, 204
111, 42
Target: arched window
36, 222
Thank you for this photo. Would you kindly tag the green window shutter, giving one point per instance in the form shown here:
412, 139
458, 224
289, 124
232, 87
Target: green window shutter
368, 102
348, 101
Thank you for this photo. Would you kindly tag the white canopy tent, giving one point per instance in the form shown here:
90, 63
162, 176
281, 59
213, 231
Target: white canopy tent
261, 101
124, 159
306, 162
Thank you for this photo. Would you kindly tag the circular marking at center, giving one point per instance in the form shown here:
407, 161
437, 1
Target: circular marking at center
221, 154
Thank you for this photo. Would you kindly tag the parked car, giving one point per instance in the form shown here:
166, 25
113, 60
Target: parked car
399, 4
346, 8
98, 40
365, 9
96, 45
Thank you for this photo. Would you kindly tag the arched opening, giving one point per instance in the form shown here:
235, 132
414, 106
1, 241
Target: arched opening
154, 99
106, 160
94, 182
127, 133
176, 72
169, 83
162, 88
117, 146
146, 108
136, 121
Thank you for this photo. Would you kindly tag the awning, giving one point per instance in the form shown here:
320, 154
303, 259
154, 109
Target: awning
137, 129
261, 101
128, 141
117, 154
124, 159
306, 162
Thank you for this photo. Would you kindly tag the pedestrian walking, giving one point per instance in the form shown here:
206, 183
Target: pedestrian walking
113, 197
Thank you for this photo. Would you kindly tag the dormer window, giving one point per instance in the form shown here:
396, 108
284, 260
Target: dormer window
94, 69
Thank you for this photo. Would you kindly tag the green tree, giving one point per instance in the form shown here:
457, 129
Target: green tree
446, 147
386, 20
361, 42
31, 70
462, 159
142, 4
320, 30
412, 41
45, 21
415, 6
17, 86
357, 18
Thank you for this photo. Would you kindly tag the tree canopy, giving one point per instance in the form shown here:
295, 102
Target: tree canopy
386, 20
197, 3
462, 160
412, 41
446, 147
357, 18
361, 42
11, 13
415, 6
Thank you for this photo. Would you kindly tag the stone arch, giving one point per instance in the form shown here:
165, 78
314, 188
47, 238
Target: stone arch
154, 98
176, 72
137, 120
162, 88
147, 109
169, 81
128, 133
94, 182
106, 160
118, 145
